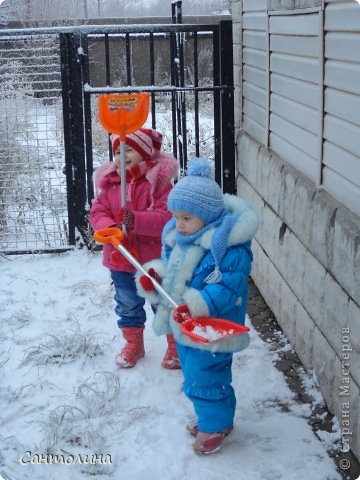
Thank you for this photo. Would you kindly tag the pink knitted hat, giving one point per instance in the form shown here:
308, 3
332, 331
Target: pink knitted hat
145, 141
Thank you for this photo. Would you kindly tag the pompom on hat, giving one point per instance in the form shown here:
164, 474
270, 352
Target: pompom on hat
198, 193
145, 141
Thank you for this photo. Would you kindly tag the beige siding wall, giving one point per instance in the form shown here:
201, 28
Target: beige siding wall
297, 106
300, 88
341, 155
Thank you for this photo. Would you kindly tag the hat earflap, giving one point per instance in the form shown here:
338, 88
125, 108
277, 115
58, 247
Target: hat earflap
219, 244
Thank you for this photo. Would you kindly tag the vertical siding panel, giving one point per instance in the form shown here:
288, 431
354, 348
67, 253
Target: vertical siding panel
254, 69
301, 90
341, 171
296, 91
321, 99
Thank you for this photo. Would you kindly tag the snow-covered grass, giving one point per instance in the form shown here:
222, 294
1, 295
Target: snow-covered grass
61, 393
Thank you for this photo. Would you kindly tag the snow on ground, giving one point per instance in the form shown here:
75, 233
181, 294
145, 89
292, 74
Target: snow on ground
62, 394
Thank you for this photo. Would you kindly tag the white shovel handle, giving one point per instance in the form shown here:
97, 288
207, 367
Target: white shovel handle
123, 178
141, 269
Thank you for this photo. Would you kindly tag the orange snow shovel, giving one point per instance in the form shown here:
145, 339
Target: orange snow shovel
123, 114
201, 330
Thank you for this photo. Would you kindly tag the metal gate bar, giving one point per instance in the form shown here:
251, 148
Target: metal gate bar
187, 91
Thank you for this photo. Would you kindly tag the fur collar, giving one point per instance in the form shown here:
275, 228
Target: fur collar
159, 177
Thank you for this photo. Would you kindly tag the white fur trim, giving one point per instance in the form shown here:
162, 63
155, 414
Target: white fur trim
152, 297
197, 305
158, 265
161, 323
205, 240
245, 227
247, 223
170, 237
179, 270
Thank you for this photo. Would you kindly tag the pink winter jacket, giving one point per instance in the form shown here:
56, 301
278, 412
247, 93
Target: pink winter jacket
146, 198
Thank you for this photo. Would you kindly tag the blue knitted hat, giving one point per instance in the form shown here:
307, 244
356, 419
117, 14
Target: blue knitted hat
198, 193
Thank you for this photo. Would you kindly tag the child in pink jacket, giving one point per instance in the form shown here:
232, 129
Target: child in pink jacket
149, 175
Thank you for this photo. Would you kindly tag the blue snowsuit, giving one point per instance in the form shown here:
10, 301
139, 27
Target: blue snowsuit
207, 367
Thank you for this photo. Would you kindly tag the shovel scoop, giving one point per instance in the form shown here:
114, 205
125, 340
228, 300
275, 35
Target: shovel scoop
123, 114
200, 330
209, 330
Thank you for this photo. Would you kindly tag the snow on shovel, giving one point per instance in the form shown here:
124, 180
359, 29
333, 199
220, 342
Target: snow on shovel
201, 330
123, 114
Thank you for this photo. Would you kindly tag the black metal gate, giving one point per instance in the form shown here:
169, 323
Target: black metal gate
188, 71
179, 84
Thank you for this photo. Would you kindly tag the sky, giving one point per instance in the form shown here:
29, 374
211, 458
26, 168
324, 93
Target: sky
61, 392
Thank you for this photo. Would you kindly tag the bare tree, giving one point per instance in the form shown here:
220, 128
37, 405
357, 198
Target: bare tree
54, 11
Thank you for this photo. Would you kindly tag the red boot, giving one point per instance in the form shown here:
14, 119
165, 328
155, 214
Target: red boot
134, 348
171, 359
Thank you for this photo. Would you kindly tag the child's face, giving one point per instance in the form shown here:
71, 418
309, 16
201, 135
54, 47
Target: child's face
132, 157
187, 224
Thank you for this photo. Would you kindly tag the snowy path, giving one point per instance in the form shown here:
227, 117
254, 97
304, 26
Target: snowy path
58, 397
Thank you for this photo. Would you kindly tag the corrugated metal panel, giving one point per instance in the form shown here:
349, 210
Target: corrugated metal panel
341, 152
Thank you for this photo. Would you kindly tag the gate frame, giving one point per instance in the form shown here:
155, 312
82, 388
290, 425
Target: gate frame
76, 95
76, 107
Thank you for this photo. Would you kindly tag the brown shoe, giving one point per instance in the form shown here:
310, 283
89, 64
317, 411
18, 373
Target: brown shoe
210, 442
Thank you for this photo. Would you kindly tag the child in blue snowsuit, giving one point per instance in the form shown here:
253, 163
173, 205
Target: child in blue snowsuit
205, 264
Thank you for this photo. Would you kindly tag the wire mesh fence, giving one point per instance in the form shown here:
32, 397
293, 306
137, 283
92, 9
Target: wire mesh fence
33, 201
50, 140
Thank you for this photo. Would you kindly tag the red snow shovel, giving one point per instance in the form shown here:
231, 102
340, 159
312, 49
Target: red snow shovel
123, 114
201, 330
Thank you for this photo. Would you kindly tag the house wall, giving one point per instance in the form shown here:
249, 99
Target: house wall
298, 147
